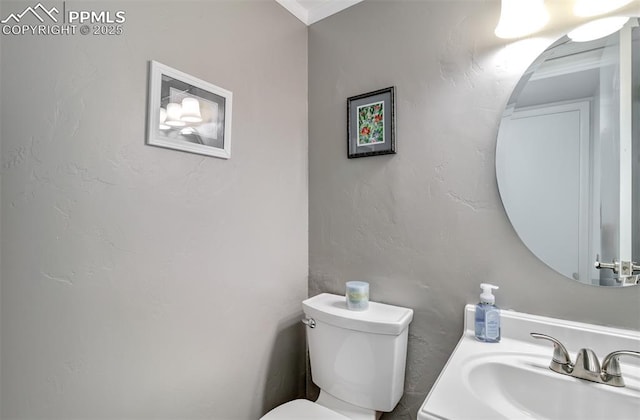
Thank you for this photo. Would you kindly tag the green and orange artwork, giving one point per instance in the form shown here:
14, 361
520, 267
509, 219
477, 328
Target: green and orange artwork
371, 124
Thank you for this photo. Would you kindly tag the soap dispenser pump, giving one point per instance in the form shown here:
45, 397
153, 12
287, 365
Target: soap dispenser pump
487, 316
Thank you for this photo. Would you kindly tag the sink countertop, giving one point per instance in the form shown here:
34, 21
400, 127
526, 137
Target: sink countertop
522, 385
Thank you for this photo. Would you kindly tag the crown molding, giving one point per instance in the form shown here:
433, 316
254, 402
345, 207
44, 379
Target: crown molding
310, 14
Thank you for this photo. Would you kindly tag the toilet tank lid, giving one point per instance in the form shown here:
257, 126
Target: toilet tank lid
379, 318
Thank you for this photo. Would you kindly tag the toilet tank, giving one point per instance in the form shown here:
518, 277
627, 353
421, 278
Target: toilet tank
358, 356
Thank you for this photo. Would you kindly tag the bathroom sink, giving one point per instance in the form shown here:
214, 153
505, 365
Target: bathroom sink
523, 384
512, 379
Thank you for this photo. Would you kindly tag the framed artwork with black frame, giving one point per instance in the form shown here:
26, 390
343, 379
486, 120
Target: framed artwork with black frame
186, 113
371, 123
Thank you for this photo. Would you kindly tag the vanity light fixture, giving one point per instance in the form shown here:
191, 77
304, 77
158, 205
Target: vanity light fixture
597, 29
179, 115
521, 17
586, 8
174, 115
191, 110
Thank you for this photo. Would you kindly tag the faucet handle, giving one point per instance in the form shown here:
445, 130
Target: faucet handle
561, 361
611, 373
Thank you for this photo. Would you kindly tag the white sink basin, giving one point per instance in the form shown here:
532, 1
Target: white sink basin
522, 384
512, 379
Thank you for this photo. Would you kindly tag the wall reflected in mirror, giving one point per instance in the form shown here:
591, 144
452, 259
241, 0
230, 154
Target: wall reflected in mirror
559, 156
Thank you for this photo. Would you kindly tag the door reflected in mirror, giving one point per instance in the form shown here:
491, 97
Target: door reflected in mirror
568, 156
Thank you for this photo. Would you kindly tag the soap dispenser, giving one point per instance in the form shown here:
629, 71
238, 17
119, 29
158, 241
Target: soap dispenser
487, 316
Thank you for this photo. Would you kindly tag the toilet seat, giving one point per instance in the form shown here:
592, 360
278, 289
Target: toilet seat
302, 410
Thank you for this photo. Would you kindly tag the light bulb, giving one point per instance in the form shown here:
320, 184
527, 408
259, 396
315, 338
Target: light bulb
191, 110
597, 29
174, 113
521, 17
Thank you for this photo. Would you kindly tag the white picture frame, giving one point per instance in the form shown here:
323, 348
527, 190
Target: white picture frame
201, 124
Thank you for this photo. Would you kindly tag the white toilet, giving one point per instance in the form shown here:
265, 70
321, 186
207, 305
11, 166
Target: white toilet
357, 359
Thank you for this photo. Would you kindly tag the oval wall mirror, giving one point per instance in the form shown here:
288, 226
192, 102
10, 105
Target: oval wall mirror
568, 158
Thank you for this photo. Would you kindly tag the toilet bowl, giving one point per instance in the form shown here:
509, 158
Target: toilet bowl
303, 410
358, 360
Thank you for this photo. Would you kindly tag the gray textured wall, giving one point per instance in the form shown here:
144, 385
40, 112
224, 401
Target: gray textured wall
139, 282
426, 226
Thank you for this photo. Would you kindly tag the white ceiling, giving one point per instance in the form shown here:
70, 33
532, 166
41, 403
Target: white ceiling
311, 11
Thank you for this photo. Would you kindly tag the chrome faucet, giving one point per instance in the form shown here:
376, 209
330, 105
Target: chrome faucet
587, 365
